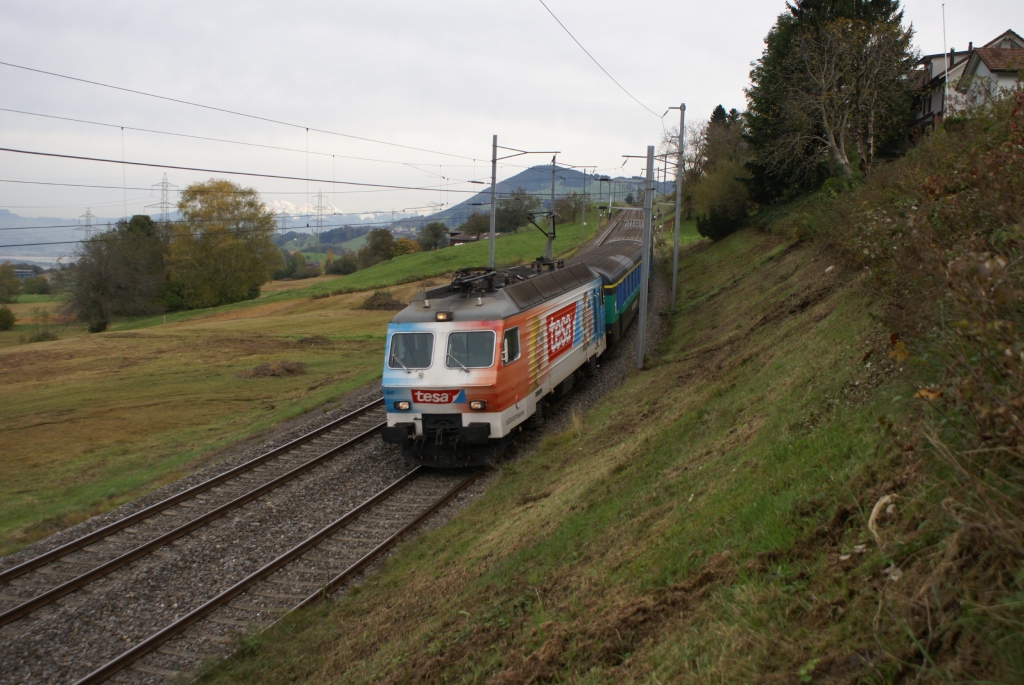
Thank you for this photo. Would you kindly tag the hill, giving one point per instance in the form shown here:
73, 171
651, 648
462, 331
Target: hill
537, 181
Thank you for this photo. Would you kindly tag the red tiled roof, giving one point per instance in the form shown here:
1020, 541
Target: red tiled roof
1000, 37
997, 59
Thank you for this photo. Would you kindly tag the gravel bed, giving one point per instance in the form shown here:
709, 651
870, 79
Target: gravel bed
297, 580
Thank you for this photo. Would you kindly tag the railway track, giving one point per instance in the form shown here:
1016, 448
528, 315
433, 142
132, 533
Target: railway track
181, 514
628, 224
104, 586
303, 575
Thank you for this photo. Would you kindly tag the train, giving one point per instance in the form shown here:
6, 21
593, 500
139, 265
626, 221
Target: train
470, 364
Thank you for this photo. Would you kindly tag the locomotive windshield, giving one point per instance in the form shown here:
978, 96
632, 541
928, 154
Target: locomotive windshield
411, 350
470, 350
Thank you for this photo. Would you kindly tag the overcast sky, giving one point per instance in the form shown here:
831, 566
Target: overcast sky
442, 76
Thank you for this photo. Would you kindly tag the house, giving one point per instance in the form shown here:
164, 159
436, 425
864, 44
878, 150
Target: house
948, 83
989, 70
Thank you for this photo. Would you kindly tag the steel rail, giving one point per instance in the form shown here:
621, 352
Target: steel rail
611, 228
123, 523
141, 551
383, 547
159, 638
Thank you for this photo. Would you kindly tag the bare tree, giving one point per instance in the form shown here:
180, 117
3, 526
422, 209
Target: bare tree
884, 63
568, 207
695, 142
843, 80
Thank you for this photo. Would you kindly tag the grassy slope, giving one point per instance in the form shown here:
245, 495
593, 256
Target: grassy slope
689, 528
89, 421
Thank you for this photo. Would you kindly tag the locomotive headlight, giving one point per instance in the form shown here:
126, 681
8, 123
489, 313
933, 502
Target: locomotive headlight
443, 316
478, 405
402, 405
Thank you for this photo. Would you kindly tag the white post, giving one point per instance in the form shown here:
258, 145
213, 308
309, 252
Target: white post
494, 188
645, 261
679, 197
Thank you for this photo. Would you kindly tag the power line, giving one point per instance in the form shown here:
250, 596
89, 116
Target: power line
220, 171
285, 215
206, 138
228, 111
267, 192
623, 88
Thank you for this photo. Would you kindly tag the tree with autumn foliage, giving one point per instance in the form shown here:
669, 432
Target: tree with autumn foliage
221, 251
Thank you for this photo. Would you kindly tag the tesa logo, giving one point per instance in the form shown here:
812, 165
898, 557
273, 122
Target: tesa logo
434, 396
561, 325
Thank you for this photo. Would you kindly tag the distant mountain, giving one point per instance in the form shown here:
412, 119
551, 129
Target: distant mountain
537, 181
20, 237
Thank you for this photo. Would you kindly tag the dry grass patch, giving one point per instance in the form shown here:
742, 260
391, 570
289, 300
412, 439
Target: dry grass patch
275, 370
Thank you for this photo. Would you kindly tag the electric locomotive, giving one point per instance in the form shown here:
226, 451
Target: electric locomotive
469, 364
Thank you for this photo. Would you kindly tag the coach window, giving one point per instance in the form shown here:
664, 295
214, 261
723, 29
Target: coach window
510, 346
411, 350
470, 350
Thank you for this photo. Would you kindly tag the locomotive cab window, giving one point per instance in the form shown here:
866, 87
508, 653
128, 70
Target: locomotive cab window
510, 346
470, 350
411, 350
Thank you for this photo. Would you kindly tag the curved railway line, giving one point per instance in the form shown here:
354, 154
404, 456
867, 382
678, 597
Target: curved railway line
628, 224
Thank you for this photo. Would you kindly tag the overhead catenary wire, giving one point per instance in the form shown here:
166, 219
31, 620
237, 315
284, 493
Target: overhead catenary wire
223, 192
209, 138
500, 196
232, 112
220, 171
594, 60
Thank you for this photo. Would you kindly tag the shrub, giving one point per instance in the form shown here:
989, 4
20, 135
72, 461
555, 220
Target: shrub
720, 222
40, 327
37, 285
344, 265
720, 199
6, 318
